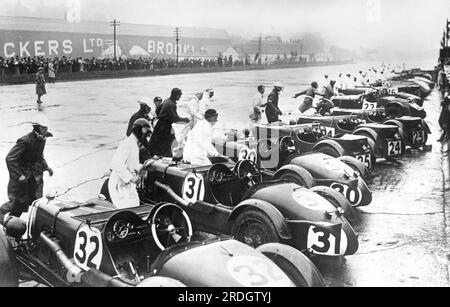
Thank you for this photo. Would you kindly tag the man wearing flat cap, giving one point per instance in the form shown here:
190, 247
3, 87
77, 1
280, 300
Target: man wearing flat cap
198, 148
144, 111
26, 165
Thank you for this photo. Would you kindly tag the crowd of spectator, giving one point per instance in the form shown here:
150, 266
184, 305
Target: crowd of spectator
29, 65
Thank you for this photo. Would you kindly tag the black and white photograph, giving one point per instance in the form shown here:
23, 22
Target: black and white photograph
237, 145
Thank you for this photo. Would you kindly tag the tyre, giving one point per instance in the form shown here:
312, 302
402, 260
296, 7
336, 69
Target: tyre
301, 177
9, 275
328, 150
357, 166
338, 200
254, 228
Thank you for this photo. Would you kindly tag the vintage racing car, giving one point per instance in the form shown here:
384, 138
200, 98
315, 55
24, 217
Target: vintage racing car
93, 244
228, 198
281, 158
413, 131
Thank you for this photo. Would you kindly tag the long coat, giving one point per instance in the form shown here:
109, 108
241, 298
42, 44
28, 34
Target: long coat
26, 158
125, 165
163, 137
40, 84
272, 110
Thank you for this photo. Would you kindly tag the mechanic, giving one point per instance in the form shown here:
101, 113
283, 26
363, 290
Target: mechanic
206, 102
272, 110
310, 94
143, 112
158, 104
257, 104
194, 109
26, 165
444, 119
126, 167
163, 137
198, 148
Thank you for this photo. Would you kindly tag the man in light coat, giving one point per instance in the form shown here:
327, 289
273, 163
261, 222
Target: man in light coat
257, 104
198, 148
194, 110
126, 167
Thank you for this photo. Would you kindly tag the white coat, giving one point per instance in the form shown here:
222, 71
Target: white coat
125, 165
199, 146
194, 112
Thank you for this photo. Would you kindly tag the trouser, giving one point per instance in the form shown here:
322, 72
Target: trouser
20, 198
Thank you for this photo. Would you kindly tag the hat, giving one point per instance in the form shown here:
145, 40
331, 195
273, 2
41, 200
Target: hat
210, 113
145, 100
210, 90
40, 120
278, 84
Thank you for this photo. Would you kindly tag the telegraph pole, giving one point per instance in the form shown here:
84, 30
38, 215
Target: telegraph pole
177, 34
115, 23
260, 49
301, 50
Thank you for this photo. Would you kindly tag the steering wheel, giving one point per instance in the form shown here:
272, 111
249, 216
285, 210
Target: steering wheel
217, 173
288, 145
170, 225
247, 169
320, 131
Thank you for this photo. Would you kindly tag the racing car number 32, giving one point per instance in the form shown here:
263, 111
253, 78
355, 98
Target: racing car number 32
193, 188
88, 249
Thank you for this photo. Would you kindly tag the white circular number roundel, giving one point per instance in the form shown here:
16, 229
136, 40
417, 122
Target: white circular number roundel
247, 154
251, 271
88, 251
323, 242
353, 195
193, 188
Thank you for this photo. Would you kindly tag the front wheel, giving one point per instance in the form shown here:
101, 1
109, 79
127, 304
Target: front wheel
254, 228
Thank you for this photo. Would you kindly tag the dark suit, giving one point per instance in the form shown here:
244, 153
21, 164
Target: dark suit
26, 159
272, 110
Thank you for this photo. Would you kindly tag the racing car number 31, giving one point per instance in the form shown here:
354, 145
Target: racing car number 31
193, 188
323, 242
88, 249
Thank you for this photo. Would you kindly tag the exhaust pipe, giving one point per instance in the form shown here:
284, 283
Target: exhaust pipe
75, 274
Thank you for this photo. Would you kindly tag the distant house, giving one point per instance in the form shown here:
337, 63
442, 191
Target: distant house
213, 52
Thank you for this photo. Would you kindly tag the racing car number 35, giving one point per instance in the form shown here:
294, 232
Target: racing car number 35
88, 249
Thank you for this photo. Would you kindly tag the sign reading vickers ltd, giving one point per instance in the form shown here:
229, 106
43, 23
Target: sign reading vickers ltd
58, 44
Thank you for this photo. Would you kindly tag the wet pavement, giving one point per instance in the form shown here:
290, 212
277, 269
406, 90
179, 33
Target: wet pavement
404, 233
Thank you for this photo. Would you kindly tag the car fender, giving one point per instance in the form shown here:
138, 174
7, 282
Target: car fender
9, 276
401, 127
395, 104
294, 263
426, 127
372, 137
293, 168
335, 145
271, 211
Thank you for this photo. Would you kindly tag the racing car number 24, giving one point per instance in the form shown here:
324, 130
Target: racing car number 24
88, 249
394, 148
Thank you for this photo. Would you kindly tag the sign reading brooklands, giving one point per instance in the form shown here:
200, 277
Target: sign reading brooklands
58, 44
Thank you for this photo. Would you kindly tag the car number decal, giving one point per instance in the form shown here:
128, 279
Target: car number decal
88, 251
353, 195
418, 137
331, 132
369, 105
323, 242
394, 148
193, 188
365, 159
247, 154
251, 271
392, 91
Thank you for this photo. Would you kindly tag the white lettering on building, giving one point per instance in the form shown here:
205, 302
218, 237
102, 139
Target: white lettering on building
169, 48
38, 48
53, 47
151, 46
67, 47
85, 48
23, 49
160, 48
7, 54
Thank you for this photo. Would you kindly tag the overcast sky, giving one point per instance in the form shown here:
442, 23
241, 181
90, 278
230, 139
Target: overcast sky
400, 24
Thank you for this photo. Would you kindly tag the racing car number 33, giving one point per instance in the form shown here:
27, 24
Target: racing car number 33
88, 249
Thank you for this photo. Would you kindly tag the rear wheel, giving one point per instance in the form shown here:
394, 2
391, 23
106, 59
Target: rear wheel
328, 150
303, 178
254, 228
338, 200
9, 276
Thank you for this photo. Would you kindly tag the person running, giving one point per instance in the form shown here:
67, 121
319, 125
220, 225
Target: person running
310, 94
163, 138
272, 110
26, 165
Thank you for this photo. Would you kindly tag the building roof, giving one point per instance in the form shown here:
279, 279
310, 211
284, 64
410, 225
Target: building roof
95, 27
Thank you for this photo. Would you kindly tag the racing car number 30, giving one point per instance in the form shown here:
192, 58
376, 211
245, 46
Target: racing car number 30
193, 188
88, 249
247, 154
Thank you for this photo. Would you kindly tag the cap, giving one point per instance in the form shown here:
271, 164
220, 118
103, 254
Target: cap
278, 84
210, 113
40, 120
